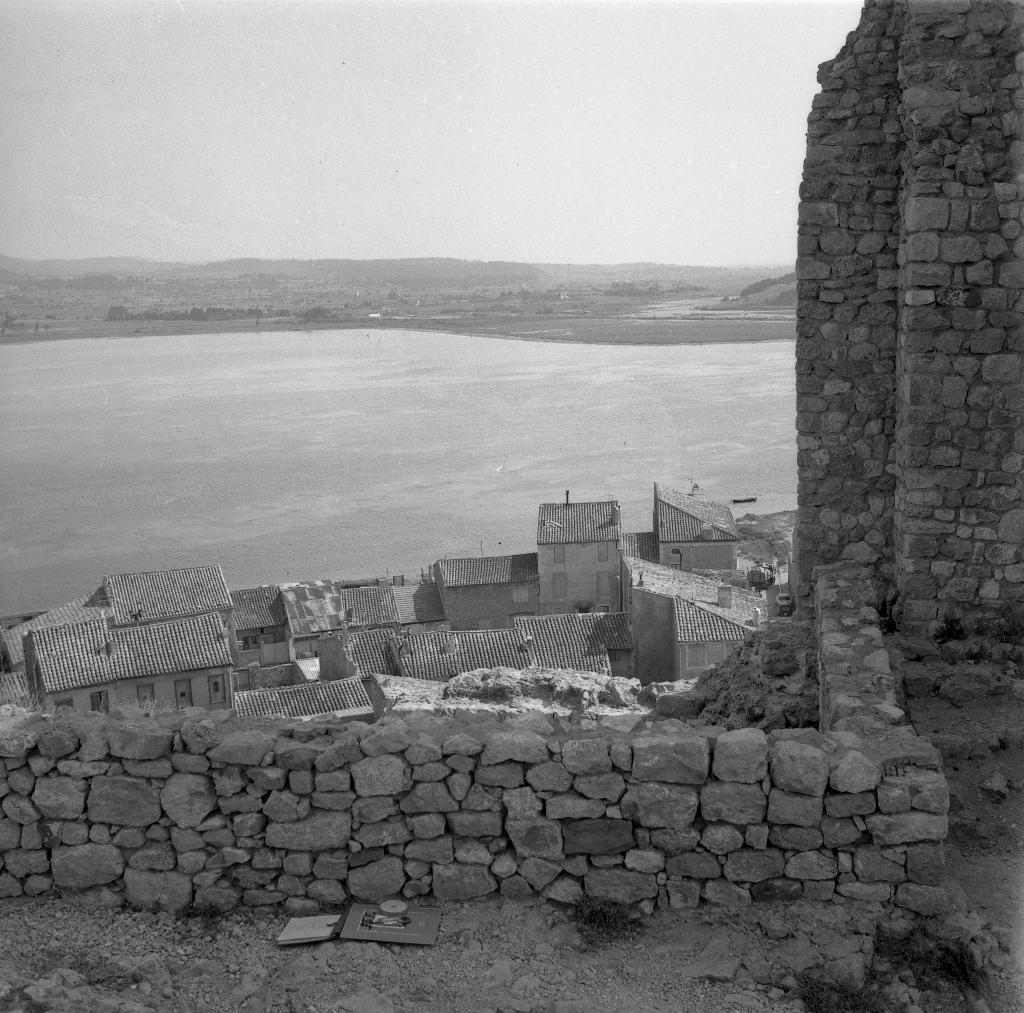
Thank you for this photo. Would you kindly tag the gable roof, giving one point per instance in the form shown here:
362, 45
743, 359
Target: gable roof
73, 612
258, 607
697, 623
475, 571
344, 697
164, 594
639, 545
680, 516
577, 641
93, 652
418, 603
561, 523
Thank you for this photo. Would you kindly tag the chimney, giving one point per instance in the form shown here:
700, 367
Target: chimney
616, 513
758, 617
566, 497
707, 532
336, 658
725, 596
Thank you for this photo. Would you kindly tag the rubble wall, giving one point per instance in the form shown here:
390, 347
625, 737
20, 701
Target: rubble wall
909, 341
198, 813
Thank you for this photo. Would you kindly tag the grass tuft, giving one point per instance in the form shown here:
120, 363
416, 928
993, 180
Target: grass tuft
601, 922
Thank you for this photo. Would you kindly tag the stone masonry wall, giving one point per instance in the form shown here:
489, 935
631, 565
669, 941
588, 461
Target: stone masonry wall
909, 346
197, 812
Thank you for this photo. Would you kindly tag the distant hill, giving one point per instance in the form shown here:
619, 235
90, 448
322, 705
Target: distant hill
774, 291
407, 273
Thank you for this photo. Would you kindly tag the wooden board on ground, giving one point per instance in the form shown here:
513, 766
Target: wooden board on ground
309, 930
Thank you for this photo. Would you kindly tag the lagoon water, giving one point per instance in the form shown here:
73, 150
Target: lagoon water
302, 455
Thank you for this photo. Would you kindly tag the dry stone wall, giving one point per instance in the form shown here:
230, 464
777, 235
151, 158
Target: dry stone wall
203, 814
909, 340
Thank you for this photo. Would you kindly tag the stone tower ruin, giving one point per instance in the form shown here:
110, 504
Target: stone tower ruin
909, 341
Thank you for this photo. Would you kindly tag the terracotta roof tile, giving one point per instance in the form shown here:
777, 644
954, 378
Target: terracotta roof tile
166, 594
640, 545
418, 603
577, 522
344, 697
576, 641
680, 516
76, 656
258, 607
73, 612
698, 623
474, 571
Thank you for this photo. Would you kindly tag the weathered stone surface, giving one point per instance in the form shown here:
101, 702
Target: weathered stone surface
792, 838
619, 885
773, 890
328, 892
538, 872
220, 899
799, 768
586, 756
812, 865
200, 736
435, 850
343, 751
475, 824
188, 799
660, 805
377, 880
322, 831
859, 804
693, 865
682, 759
597, 837
139, 741
871, 865
124, 801
907, 828
57, 741
550, 776
520, 745
19, 809
564, 890
799, 810
17, 741
285, 807
608, 786
522, 803
500, 775
721, 838
924, 900
463, 744
22, 863
539, 838
726, 894
381, 775
60, 798
157, 891
733, 802
391, 735
753, 866
85, 865
741, 755
156, 855
245, 748
462, 882
292, 755
429, 796
926, 863
386, 832
573, 807
855, 773
10, 834
644, 860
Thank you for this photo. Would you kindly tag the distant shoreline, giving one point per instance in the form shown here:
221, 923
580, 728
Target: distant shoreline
570, 330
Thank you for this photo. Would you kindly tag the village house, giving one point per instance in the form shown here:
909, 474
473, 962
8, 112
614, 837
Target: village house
578, 556
584, 642
260, 626
683, 623
693, 532
341, 698
13, 654
488, 592
315, 608
94, 665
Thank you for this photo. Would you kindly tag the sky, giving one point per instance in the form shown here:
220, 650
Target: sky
551, 132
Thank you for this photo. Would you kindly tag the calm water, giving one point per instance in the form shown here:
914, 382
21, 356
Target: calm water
345, 453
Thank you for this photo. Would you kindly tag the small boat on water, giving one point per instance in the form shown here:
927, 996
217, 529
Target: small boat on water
747, 499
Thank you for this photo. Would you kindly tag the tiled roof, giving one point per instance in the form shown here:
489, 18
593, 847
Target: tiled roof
700, 593
577, 641
166, 594
698, 623
71, 657
73, 612
679, 517
577, 522
429, 655
309, 668
474, 571
371, 606
14, 689
258, 607
346, 697
418, 603
640, 545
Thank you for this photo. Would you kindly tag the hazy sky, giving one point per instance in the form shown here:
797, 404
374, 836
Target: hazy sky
559, 131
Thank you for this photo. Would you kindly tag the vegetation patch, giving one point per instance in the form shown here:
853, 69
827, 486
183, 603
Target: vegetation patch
603, 922
822, 997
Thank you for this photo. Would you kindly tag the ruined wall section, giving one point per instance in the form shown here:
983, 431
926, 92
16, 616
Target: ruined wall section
958, 522
848, 285
909, 343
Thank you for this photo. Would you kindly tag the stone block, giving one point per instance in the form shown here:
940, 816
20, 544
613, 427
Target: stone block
907, 828
923, 900
500, 775
791, 838
854, 773
753, 866
733, 802
597, 836
725, 894
796, 810
721, 838
123, 801
322, 831
157, 891
377, 880
538, 838
812, 865
188, 799
619, 886
586, 756
139, 741
476, 824
769, 891
245, 748
86, 865
520, 745
799, 768
870, 865
538, 872
381, 775
429, 797
550, 776
682, 759
654, 804
560, 807
391, 735
463, 882
924, 214
741, 755
60, 798
608, 786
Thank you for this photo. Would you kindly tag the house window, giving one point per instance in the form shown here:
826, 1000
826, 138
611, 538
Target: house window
604, 608
602, 552
217, 694
696, 656
98, 701
64, 703
560, 587
242, 681
560, 555
520, 593
251, 643
183, 692
604, 585
145, 692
